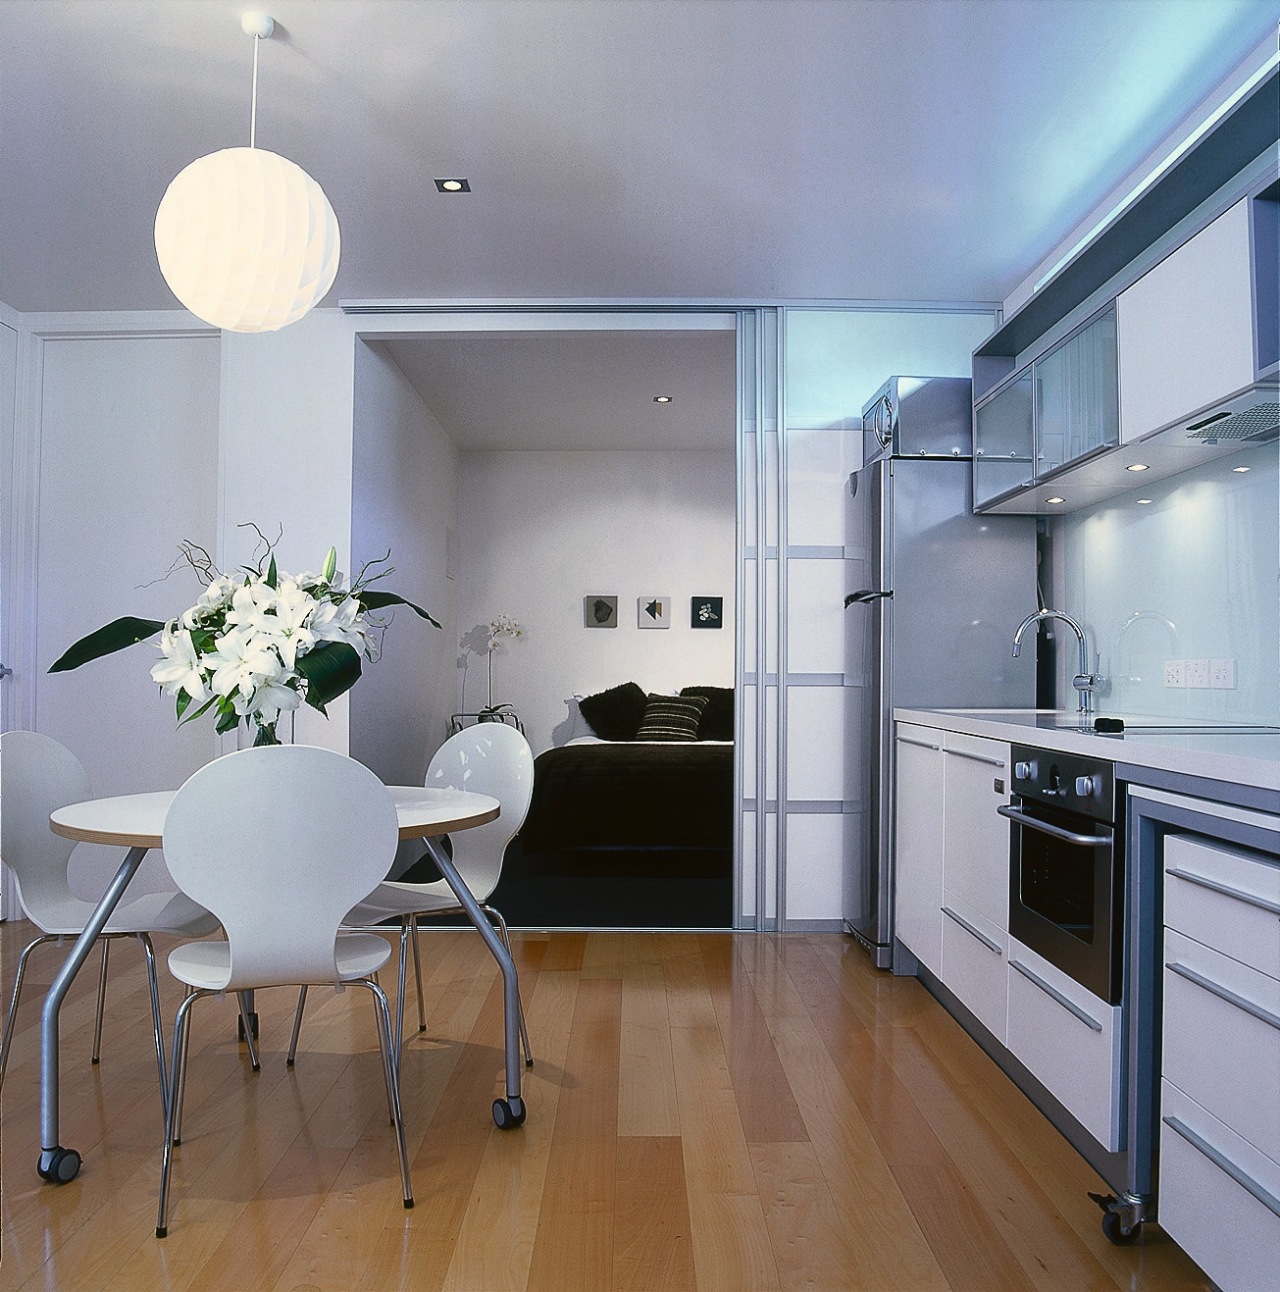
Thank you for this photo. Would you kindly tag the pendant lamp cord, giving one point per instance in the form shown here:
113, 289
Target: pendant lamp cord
253, 111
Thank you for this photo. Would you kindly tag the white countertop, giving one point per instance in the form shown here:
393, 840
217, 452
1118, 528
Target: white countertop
1240, 756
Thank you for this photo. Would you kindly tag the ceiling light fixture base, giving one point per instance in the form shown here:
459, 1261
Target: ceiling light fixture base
257, 23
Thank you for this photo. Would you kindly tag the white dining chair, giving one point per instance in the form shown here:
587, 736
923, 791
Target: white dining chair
37, 776
487, 758
279, 842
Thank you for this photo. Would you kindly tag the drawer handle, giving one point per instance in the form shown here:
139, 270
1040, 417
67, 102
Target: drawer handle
968, 928
1054, 994
1190, 877
1225, 1164
977, 758
1240, 1002
920, 744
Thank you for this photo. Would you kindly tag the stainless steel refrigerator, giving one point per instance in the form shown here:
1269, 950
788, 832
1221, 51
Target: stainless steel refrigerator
935, 595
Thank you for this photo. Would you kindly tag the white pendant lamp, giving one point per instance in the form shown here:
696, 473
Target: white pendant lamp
246, 239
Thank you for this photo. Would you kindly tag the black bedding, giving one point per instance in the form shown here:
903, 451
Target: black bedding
631, 795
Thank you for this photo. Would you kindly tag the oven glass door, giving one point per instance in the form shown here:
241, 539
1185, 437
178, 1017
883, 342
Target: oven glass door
1064, 902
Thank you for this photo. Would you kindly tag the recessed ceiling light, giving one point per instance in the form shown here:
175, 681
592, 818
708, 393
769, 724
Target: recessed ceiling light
1144, 502
1138, 466
1055, 501
453, 185
662, 399
1241, 470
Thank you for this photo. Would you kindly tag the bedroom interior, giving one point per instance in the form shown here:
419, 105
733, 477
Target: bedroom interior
572, 476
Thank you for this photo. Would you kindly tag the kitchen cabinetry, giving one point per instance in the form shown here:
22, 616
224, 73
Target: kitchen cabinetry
1220, 1076
918, 844
1186, 328
975, 876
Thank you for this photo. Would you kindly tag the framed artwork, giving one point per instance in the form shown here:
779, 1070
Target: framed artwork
653, 612
707, 612
599, 611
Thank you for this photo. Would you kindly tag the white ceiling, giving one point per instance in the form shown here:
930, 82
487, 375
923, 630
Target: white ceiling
705, 150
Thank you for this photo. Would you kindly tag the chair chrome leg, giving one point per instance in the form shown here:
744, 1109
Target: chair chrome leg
182, 1085
172, 1129
417, 973
157, 1027
96, 1056
495, 916
246, 1017
297, 1027
13, 1000
406, 923
392, 1076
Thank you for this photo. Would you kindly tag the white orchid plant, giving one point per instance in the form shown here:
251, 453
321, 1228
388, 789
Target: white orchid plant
501, 627
258, 643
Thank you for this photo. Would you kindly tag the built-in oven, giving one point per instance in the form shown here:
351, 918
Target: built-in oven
1066, 866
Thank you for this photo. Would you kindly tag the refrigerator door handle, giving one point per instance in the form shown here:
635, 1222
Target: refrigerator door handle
865, 596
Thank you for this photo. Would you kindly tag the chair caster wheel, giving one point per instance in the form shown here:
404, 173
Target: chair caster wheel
1116, 1233
58, 1165
508, 1113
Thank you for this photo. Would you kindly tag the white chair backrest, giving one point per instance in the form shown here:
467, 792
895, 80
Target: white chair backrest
487, 758
280, 842
37, 776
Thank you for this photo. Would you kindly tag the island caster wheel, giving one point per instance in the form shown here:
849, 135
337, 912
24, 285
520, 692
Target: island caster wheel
58, 1165
508, 1113
1115, 1231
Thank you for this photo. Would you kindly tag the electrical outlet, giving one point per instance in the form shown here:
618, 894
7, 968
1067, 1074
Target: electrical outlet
1222, 674
1197, 673
1175, 672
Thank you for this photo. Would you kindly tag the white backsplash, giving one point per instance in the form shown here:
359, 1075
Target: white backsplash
1191, 575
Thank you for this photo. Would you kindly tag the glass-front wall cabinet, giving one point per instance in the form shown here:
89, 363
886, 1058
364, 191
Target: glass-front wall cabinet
1003, 430
1077, 395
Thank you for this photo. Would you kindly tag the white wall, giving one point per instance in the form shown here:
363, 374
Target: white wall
124, 466
404, 499
539, 531
1202, 556
287, 417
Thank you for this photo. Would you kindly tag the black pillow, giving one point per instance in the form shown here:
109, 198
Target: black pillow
672, 717
615, 714
717, 717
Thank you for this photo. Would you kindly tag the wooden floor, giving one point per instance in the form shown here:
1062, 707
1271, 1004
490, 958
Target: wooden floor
706, 1111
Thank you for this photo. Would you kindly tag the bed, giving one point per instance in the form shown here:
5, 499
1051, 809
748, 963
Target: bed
625, 829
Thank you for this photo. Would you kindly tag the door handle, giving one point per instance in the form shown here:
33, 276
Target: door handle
865, 596
5, 671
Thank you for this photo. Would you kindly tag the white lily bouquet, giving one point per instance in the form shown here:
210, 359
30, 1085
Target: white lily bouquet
256, 644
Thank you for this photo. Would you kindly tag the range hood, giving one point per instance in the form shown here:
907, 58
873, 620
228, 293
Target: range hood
1243, 423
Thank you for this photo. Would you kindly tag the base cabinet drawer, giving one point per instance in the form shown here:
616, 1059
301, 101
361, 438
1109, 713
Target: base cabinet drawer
1222, 1038
1219, 1197
1070, 1040
1224, 897
973, 963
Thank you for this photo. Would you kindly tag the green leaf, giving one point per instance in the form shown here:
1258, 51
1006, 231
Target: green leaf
227, 721
204, 708
183, 701
106, 641
331, 669
377, 600
272, 579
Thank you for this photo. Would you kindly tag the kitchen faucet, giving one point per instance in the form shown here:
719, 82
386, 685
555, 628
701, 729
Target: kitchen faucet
1084, 682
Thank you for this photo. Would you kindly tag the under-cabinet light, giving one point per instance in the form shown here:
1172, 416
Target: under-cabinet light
662, 399
1144, 502
453, 186
1241, 470
1055, 501
1138, 466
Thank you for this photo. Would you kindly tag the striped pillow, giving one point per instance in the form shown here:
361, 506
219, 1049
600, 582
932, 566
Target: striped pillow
672, 717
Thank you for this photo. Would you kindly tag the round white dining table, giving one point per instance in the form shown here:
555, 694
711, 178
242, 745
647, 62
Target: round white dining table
136, 822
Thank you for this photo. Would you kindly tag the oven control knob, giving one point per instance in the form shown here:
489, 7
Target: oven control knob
1023, 771
1086, 786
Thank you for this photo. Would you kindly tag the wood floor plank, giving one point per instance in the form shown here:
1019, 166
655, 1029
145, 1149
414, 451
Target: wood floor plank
652, 1242
573, 1247
647, 1103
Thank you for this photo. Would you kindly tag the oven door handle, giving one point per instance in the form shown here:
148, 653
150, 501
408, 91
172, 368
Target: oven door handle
1069, 836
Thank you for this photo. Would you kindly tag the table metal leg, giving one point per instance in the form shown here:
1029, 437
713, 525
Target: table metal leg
57, 1163
510, 1111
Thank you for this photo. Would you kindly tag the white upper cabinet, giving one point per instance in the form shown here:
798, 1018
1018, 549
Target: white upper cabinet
1186, 328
